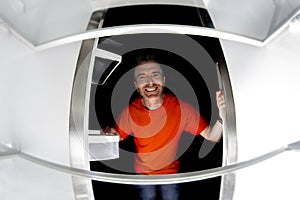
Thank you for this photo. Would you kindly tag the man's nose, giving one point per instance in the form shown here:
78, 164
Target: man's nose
149, 79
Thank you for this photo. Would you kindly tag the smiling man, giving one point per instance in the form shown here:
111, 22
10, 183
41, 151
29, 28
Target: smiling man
157, 121
149, 82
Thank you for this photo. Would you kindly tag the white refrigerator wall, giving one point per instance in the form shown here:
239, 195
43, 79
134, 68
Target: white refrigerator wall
265, 85
36, 88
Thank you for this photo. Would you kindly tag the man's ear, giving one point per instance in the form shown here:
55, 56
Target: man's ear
136, 87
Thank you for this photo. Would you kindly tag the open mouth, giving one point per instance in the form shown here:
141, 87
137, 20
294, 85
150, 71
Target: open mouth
151, 89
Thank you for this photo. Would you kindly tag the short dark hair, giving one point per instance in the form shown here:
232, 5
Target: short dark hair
142, 59
146, 58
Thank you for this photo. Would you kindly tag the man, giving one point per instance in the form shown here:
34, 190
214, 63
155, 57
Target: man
157, 121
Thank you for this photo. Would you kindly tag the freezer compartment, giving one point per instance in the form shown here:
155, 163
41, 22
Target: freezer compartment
103, 147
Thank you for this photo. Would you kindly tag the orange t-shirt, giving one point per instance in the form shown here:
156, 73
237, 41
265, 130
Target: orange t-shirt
157, 132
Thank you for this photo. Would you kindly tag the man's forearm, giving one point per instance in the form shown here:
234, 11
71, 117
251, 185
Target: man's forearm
214, 133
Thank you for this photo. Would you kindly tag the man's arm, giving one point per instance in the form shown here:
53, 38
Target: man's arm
215, 133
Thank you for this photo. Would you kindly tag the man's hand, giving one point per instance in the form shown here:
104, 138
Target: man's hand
109, 131
221, 103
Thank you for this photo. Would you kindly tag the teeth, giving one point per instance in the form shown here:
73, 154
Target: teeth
150, 89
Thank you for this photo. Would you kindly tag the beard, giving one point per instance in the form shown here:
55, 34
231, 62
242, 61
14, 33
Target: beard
151, 90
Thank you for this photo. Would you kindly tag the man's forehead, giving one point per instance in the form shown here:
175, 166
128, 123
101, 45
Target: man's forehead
148, 66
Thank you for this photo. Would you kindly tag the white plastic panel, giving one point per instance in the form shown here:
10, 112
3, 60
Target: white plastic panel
248, 18
265, 83
35, 103
276, 179
42, 20
21, 179
255, 19
49, 20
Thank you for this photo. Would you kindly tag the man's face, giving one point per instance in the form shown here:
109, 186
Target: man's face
149, 79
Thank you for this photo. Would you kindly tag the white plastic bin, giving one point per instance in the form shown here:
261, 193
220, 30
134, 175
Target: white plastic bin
103, 147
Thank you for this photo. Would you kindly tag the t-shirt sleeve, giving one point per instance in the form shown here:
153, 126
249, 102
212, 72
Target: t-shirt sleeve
195, 122
123, 124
